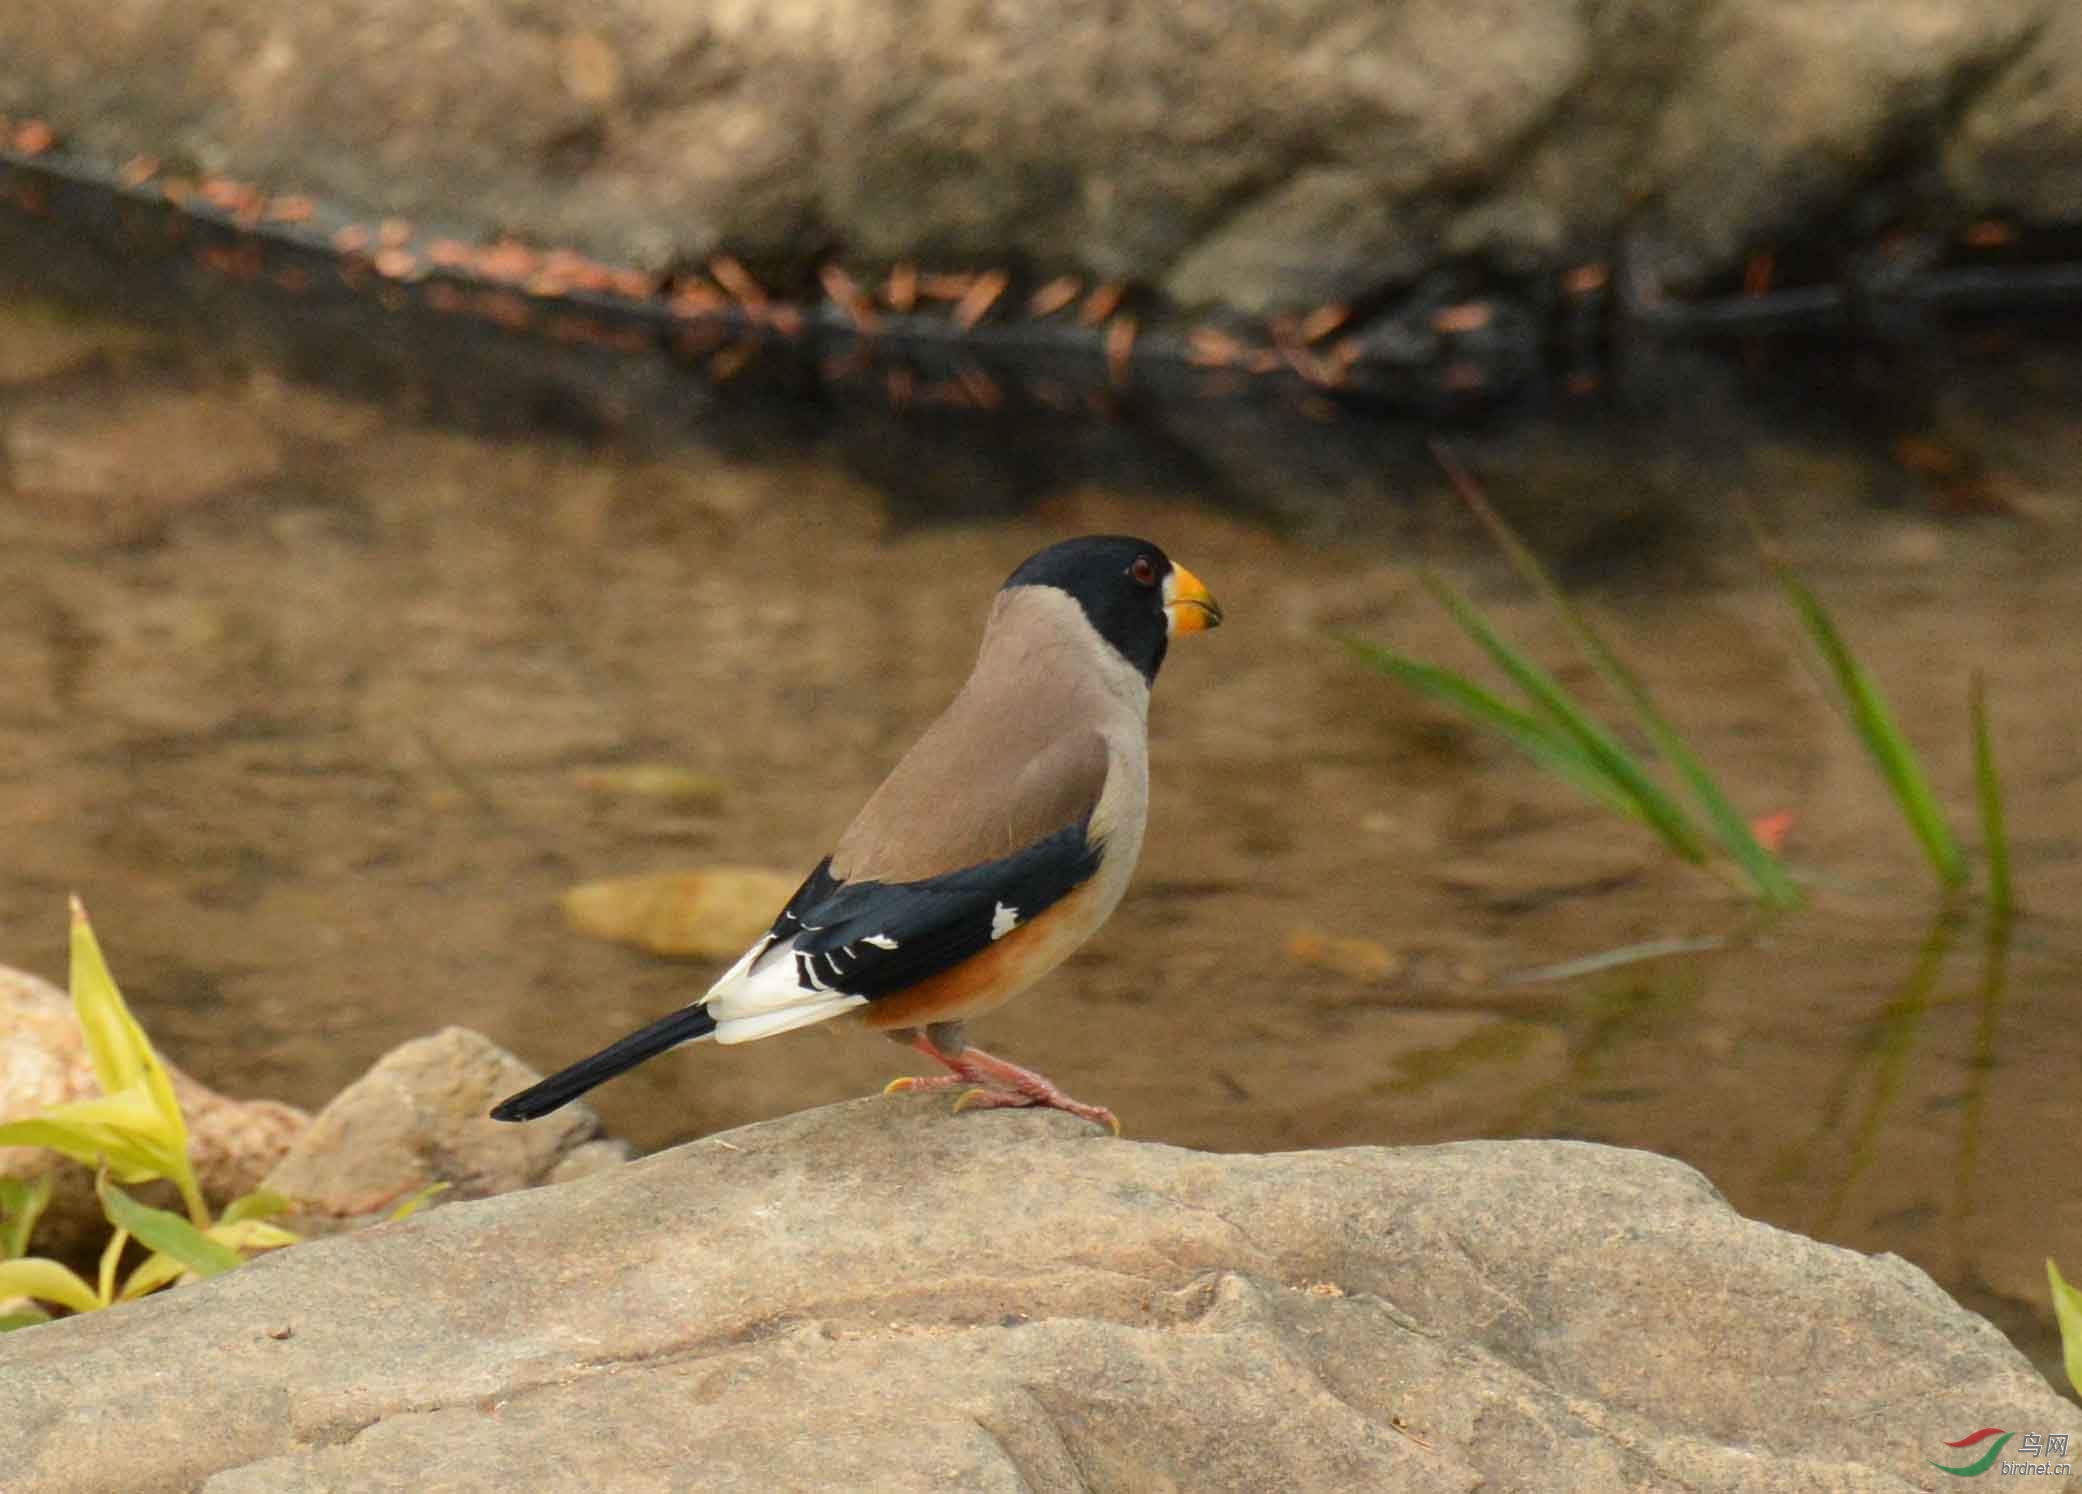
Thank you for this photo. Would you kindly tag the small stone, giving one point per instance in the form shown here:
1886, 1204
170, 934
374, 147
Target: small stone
421, 1116
663, 784
1355, 959
712, 914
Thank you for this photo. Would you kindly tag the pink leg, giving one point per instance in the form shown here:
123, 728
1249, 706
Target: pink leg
1000, 1084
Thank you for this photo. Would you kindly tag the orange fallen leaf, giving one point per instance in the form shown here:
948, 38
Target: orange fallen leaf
1771, 830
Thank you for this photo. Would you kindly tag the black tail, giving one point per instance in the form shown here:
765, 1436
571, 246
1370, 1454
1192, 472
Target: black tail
566, 1085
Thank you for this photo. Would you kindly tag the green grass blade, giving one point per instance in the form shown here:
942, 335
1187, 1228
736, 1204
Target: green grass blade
1534, 737
1729, 827
1988, 789
1888, 1047
1607, 756
1876, 728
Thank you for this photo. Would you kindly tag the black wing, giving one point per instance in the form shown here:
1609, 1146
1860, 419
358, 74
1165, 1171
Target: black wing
874, 939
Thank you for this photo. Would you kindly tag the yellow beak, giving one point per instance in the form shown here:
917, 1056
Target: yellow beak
1188, 608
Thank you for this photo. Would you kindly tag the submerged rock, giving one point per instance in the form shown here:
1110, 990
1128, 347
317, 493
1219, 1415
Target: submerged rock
713, 914
886, 1295
116, 468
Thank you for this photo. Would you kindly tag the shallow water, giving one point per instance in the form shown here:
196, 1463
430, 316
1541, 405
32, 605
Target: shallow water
303, 692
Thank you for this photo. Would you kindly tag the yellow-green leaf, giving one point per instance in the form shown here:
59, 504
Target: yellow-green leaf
168, 1234
47, 1281
124, 1128
27, 1316
250, 1235
2067, 1310
260, 1204
115, 1150
115, 1046
245, 1236
412, 1205
111, 1253
22, 1202
118, 1048
155, 1272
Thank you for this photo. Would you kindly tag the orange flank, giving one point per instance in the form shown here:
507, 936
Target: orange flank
992, 976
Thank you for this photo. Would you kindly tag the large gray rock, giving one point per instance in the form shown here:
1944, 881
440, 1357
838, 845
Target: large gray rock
886, 1295
1265, 155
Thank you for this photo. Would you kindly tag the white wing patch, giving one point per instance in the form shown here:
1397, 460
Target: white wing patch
1004, 918
763, 994
880, 941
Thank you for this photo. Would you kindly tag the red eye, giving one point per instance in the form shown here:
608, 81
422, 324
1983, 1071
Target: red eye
1144, 571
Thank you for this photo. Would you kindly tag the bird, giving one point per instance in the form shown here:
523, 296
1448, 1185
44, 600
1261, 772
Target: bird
993, 850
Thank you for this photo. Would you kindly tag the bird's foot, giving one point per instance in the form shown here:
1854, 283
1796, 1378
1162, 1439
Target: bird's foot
997, 1085
999, 1099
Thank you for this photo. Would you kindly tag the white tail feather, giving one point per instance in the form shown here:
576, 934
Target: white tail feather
750, 1003
747, 1029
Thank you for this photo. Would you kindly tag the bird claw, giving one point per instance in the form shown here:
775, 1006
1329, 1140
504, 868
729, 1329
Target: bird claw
912, 1084
1099, 1115
989, 1099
